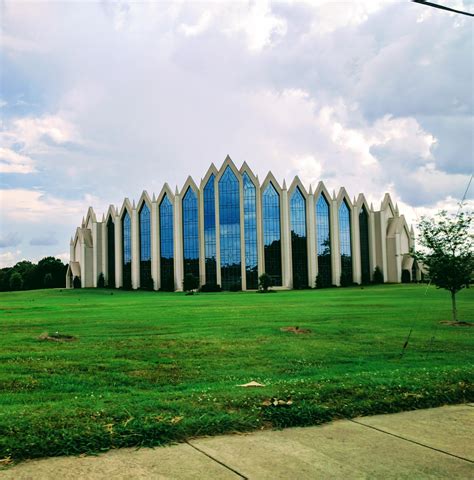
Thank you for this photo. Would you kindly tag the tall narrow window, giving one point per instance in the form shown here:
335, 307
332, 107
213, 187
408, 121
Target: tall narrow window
210, 232
299, 244
345, 247
250, 232
110, 253
364, 245
166, 245
190, 233
229, 224
127, 250
323, 240
145, 247
272, 233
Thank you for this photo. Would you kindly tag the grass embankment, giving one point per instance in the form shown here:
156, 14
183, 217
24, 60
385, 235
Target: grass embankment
151, 368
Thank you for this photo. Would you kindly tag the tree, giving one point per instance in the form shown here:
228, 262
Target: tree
76, 282
16, 281
448, 251
190, 282
264, 282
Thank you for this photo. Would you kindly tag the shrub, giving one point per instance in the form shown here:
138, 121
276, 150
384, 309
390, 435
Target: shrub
378, 276
48, 281
148, 284
235, 287
101, 281
264, 282
346, 279
16, 281
211, 287
190, 282
76, 283
406, 276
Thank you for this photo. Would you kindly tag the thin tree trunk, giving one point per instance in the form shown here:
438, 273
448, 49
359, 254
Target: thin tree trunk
453, 301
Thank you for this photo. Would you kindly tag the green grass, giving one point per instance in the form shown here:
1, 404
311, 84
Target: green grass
152, 368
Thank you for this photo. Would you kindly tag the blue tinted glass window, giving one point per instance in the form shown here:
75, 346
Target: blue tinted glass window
364, 245
210, 231
229, 225
345, 243
323, 242
272, 233
127, 250
299, 247
110, 253
166, 244
250, 229
190, 233
145, 246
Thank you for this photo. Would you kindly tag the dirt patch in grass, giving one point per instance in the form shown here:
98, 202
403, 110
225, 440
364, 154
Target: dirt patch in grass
457, 324
296, 330
56, 337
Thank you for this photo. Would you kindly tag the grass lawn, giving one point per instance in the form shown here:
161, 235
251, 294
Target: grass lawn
151, 368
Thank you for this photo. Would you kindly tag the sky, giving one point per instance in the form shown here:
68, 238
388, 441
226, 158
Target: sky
102, 100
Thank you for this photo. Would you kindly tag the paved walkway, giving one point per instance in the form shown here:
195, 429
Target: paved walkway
433, 443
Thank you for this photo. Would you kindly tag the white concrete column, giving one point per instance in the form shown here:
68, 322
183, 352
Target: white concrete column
372, 250
335, 253
84, 272
95, 254
154, 244
383, 243
311, 239
260, 249
72, 253
285, 238
118, 252
135, 250
242, 234
356, 260
202, 247
178, 243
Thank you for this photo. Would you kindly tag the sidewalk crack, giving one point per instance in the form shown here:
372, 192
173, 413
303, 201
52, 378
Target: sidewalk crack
411, 441
217, 461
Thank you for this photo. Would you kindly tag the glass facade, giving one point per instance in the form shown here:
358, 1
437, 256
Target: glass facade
364, 245
127, 250
229, 225
250, 232
190, 233
110, 253
345, 247
299, 243
323, 242
144, 219
210, 232
166, 245
272, 233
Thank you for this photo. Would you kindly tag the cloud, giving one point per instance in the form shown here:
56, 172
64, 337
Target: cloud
8, 259
11, 239
45, 240
13, 162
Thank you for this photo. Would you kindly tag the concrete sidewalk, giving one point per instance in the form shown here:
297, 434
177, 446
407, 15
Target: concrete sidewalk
434, 443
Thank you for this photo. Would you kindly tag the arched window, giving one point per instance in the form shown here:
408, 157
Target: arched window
145, 247
127, 250
345, 247
166, 245
229, 224
364, 245
190, 233
210, 232
110, 253
323, 242
250, 232
272, 233
299, 244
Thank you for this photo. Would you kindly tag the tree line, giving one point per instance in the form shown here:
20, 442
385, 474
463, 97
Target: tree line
49, 272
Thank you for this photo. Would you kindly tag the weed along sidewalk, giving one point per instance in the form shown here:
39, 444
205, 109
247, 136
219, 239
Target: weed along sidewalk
431, 443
